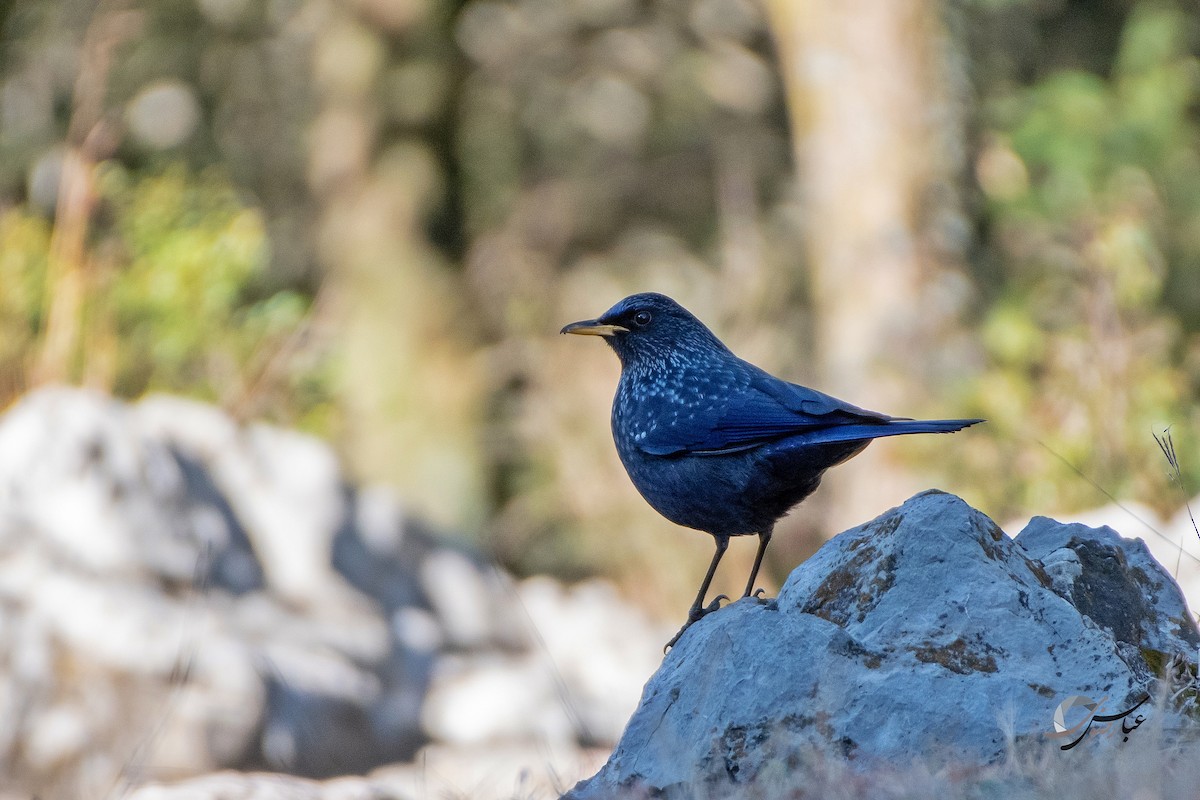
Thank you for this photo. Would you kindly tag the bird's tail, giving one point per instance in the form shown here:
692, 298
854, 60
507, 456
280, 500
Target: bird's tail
929, 425
892, 427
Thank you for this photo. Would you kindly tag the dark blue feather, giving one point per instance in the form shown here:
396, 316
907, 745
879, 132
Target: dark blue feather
712, 441
754, 408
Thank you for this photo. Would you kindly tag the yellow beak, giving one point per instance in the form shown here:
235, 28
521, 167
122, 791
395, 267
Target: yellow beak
592, 327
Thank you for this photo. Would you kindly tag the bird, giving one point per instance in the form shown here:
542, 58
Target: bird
715, 443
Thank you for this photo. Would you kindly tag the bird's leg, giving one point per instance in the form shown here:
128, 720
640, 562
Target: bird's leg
764, 538
698, 609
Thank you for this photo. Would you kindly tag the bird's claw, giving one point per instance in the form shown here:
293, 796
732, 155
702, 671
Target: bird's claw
715, 605
758, 595
694, 614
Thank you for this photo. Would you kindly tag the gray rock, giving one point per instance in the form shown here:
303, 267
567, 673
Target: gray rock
926, 634
180, 593
1117, 584
1172, 542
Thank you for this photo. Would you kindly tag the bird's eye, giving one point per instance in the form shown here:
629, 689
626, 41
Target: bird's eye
641, 319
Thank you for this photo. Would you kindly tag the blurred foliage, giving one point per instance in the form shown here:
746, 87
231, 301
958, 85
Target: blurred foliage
1090, 249
369, 217
175, 297
183, 304
24, 247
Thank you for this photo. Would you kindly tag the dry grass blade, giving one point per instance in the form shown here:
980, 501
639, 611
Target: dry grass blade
1167, 445
133, 769
1121, 505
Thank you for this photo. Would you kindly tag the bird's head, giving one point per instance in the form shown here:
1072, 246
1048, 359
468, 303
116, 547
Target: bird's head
647, 326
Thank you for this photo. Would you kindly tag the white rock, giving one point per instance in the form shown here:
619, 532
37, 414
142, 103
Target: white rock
598, 646
460, 595
238, 786
61, 733
133, 546
493, 771
78, 475
180, 593
285, 487
291, 499
495, 698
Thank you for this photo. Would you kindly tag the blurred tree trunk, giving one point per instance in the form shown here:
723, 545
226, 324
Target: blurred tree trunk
877, 143
410, 391
92, 137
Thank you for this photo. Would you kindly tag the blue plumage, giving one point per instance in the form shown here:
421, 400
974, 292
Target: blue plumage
714, 443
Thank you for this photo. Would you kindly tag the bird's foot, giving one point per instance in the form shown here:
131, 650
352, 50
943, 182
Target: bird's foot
675, 638
695, 613
758, 595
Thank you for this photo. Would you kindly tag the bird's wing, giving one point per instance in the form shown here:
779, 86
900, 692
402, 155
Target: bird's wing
761, 409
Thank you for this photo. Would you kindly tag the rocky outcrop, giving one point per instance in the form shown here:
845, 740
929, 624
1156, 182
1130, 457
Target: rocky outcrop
1173, 542
181, 594
925, 635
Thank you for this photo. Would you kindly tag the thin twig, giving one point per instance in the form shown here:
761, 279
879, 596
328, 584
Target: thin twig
1109, 495
243, 401
133, 769
92, 136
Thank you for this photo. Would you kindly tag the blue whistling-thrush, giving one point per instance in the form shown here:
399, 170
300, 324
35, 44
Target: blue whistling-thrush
715, 443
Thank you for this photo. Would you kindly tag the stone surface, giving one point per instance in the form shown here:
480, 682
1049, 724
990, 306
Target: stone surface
266, 786
925, 635
1174, 542
1117, 584
181, 594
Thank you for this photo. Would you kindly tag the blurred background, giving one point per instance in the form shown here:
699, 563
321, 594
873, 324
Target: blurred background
367, 220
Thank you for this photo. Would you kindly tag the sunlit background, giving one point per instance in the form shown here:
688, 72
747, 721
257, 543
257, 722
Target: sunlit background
368, 219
